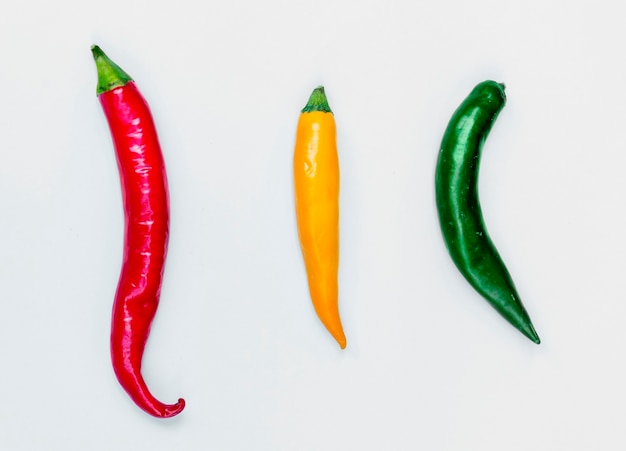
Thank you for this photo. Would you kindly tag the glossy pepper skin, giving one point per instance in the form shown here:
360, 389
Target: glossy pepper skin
458, 205
146, 208
316, 183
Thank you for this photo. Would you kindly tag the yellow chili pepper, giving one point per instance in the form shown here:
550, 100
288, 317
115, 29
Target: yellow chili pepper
316, 181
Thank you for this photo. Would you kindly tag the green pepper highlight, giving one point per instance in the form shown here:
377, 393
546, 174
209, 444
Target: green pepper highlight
458, 205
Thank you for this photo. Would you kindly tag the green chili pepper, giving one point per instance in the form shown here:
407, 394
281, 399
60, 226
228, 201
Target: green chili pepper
460, 216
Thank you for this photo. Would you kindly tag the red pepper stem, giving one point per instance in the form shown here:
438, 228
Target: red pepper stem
110, 75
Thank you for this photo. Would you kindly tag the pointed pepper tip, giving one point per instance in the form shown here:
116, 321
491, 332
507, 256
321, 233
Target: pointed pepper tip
529, 331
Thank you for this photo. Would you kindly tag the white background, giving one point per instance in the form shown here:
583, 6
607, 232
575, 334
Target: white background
429, 364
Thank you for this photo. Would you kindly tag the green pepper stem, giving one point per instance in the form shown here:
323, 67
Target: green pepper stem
110, 75
317, 102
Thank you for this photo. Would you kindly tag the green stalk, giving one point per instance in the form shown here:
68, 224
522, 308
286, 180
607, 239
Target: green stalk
317, 102
110, 75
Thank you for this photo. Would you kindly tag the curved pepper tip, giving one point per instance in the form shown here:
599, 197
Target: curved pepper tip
174, 409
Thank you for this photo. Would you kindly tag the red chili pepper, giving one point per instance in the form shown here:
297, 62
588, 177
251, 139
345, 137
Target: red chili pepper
146, 208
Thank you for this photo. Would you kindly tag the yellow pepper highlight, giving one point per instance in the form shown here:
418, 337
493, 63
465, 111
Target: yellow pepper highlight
316, 183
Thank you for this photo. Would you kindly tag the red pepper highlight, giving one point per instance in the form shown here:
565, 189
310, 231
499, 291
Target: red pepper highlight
146, 207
